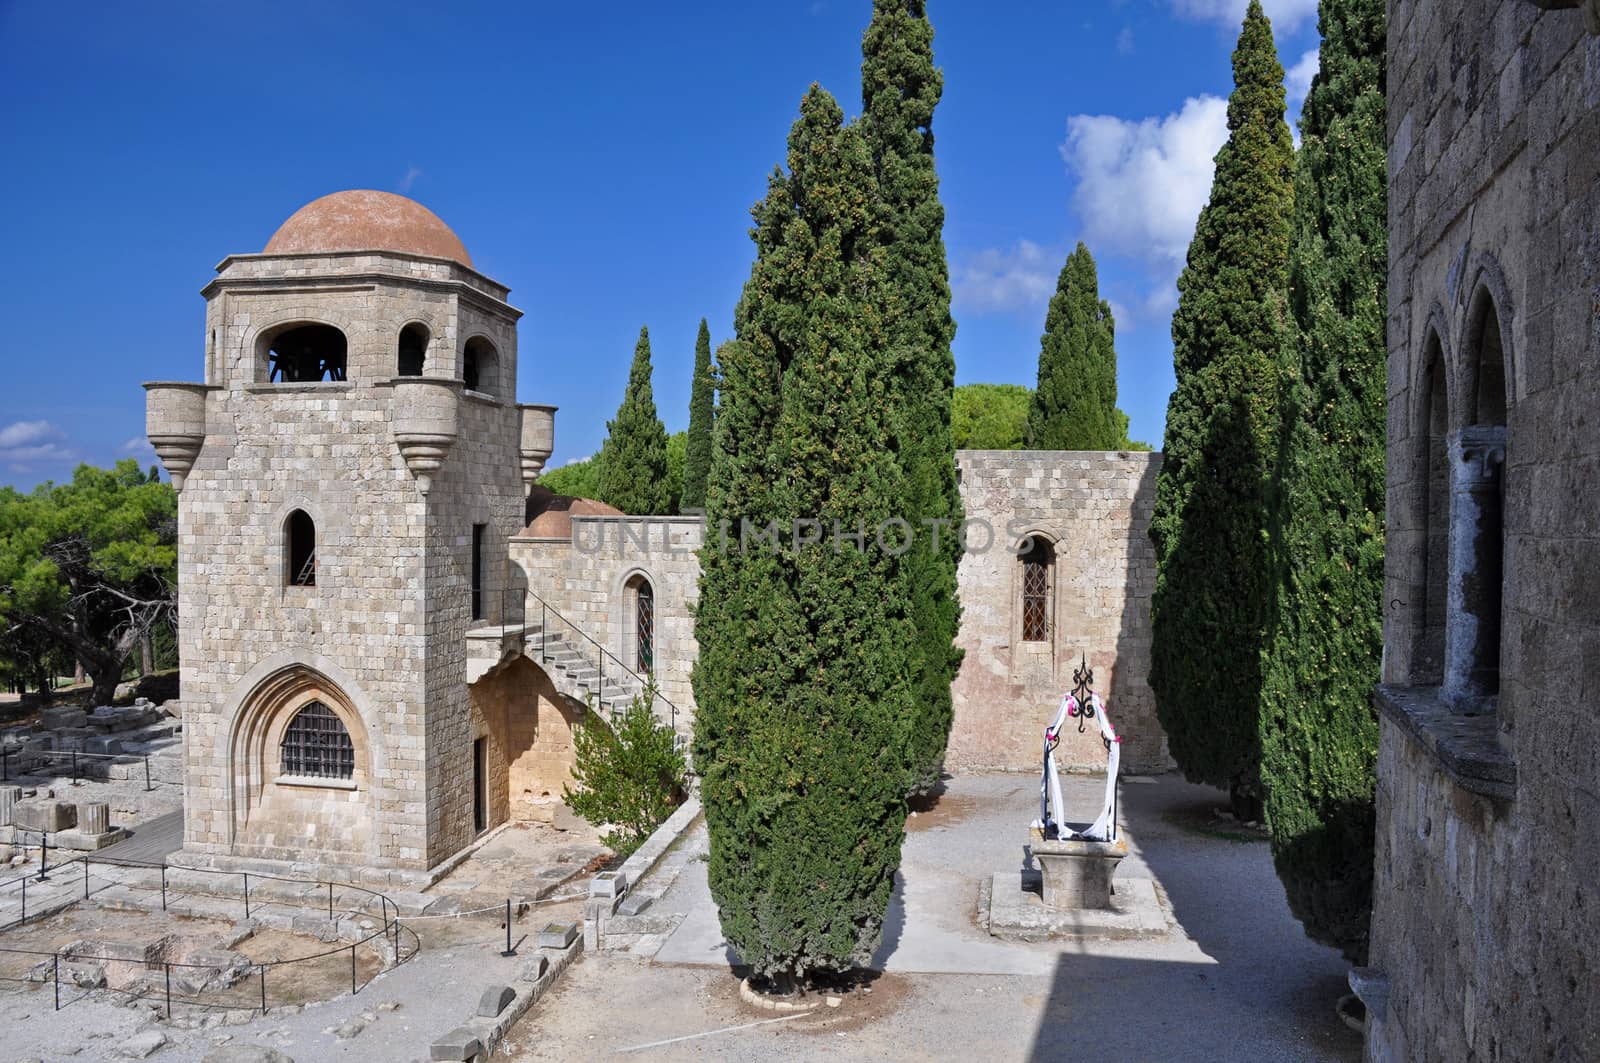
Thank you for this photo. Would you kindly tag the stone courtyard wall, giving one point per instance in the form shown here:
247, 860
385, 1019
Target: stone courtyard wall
1095, 508
586, 580
1489, 824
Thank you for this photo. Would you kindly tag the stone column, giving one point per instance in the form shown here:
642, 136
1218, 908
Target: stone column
9, 796
94, 817
1477, 556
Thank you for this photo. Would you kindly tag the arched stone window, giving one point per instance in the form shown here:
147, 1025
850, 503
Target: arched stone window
1477, 505
300, 550
413, 350
480, 366
642, 602
317, 746
306, 354
1037, 559
1428, 667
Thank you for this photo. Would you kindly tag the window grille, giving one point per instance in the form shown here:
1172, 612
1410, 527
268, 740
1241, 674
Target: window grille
645, 626
317, 745
1036, 592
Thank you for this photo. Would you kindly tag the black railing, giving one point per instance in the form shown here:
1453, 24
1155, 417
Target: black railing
73, 757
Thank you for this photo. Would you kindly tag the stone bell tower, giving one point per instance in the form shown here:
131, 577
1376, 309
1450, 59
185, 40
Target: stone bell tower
349, 474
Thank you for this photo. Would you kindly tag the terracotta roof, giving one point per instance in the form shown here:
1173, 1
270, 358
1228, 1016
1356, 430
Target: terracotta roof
364, 220
555, 520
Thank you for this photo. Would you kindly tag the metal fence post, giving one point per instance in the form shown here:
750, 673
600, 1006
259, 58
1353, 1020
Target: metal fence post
166, 969
246, 894
352, 970
330, 902
24, 918
55, 962
86, 878
5, 764
75, 767
263, 970
509, 950
163, 887
148, 787
43, 847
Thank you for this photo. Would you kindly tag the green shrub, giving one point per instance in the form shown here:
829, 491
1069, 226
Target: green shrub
629, 776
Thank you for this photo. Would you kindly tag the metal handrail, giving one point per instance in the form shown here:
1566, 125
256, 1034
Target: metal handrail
547, 610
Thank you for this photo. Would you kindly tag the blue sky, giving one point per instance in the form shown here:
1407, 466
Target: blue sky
601, 160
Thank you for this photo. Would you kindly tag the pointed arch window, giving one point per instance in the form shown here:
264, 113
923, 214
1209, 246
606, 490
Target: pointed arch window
317, 746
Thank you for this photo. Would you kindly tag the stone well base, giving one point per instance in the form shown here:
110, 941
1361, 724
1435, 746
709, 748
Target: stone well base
1009, 906
1077, 874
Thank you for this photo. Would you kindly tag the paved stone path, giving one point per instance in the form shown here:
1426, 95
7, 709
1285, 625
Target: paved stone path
1236, 980
152, 841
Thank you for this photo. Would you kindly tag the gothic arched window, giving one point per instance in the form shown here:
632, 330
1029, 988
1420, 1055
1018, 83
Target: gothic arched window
317, 746
1037, 560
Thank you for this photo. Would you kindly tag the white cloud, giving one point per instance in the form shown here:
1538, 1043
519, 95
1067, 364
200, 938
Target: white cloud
410, 178
1141, 184
1297, 82
24, 443
137, 445
998, 280
1286, 15
1125, 41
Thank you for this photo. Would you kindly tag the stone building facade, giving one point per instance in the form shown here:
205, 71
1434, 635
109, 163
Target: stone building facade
1074, 526
383, 658
350, 472
1484, 941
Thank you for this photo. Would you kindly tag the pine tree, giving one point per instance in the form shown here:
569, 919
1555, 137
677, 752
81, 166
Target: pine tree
803, 700
1212, 592
1075, 403
633, 459
702, 415
1319, 735
900, 87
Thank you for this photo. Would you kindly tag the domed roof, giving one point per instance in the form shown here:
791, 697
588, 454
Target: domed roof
363, 220
555, 520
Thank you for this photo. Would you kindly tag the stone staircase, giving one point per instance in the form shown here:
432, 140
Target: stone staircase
577, 665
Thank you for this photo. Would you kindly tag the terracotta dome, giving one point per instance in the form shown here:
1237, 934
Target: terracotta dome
555, 520
364, 220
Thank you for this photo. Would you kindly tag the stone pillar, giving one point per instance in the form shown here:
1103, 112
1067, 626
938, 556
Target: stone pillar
1477, 556
9, 796
94, 817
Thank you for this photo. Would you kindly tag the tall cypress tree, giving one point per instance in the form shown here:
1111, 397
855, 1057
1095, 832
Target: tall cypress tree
1074, 406
633, 459
702, 413
1213, 589
1319, 735
900, 87
803, 700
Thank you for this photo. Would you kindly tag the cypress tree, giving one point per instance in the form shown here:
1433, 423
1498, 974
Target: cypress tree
900, 87
702, 414
803, 700
1319, 734
633, 459
1210, 605
1075, 403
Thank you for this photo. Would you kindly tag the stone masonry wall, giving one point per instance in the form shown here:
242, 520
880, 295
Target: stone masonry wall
384, 625
586, 579
1095, 508
1483, 919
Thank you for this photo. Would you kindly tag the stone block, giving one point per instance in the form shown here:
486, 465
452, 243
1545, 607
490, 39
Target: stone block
557, 935
45, 814
102, 745
534, 969
608, 884
459, 1044
634, 904
1077, 873
494, 1000
55, 718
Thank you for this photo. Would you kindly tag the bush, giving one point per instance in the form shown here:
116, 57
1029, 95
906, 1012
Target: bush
629, 776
